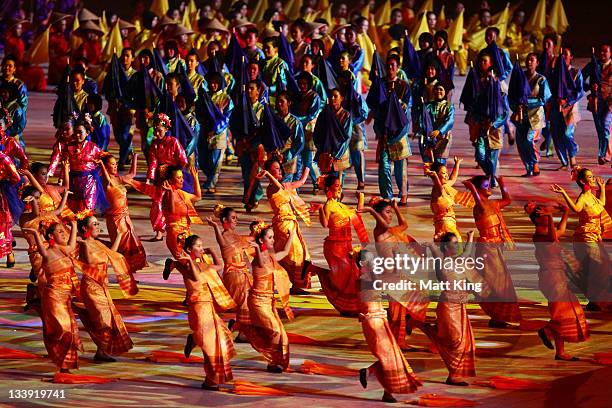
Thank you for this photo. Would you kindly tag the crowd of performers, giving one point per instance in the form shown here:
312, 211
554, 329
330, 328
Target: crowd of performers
292, 114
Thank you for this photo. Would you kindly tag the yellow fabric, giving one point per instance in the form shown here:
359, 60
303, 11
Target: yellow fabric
365, 11
537, 21
292, 9
186, 21
39, 51
455, 33
419, 29
558, 19
441, 24
425, 7
114, 44
477, 39
160, 7
383, 14
75, 40
368, 50
259, 11
104, 23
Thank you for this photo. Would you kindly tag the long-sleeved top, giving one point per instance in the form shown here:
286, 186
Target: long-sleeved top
294, 145
165, 151
402, 90
101, 131
442, 115
12, 148
22, 99
18, 117
192, 145
605, 87
272, 68
82, 156
540, 94
307, 107
344, 117
357, 58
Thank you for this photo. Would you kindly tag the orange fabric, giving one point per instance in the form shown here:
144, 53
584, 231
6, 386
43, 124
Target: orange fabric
162, 356
299, 339
500, 382
249, 388
68, 378
311, 367
435, 400
603, 358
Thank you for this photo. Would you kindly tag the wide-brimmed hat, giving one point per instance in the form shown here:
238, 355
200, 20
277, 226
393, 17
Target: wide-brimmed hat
180, 30
56, 17
88, 25
167, 21
243, 23
13, 22
215, 25
312, 27
126, 25
338, 28
87, 15
268, 32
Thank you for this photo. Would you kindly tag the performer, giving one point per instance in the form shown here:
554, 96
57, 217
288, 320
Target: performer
452, 333
391, 370
60, 329
121, 115
104, 322
565, 113
51, 195
14, 113
287, 205
596, 271
118, 221
341, 283
85, 184
441, 112
444, 197
530, 123
100, 134
10, 207
205, 295
500, 304
178, 207
273, 67
393, 149
235, 249
9, 144
291, 152
266, 333
600, 99
567, 322
392, 241
59, 47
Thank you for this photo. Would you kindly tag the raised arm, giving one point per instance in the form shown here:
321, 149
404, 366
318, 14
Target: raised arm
324, 214
197, 193
32, 180
377, 217
39, 242
72, 241
602, 190
299, 183
282, 254
455, 173
105, 176
62, 205
117, 241
217, 262
506, 199
133, 168
472, 189
575, 206
434, 177
401, 221
218, 234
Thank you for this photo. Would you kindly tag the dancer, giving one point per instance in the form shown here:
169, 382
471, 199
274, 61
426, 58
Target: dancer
178, 207
391, 370
444, 197
103, 321
50, 194
205, 295
567, 320
500, 304
452, 334
341, 283
287, 205
118, 221
267, 333
10, 207
235, 251
596, 272
441, 112
82, 155
60, 329
404, 306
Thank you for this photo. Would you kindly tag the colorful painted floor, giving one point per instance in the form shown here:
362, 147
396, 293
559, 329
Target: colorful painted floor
157, 321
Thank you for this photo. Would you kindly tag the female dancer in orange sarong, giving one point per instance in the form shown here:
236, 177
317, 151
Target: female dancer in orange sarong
104, 322
567, 320
205, 295
267, 333
31, 218
452, 333
341, 283
287, 206
178, 207
391, 241
118, 215
595, 279
60, 330
51, 195
501, 304
444, 197
236, 275
391, 370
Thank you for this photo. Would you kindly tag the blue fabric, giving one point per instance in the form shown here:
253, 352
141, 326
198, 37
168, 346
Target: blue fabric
246, 165
16, 206
308, 161
384, 175
486, 157
210, 163
603, 120
525, 146
358, 165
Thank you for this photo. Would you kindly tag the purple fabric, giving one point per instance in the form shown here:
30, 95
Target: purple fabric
518, 89
273, 132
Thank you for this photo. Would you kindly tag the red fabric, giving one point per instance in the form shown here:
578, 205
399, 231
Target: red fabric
603, 358
14, 46
299, 339
68, 378
92, 50
9, 353
531, 325
161, 356
435, 400
508, 383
